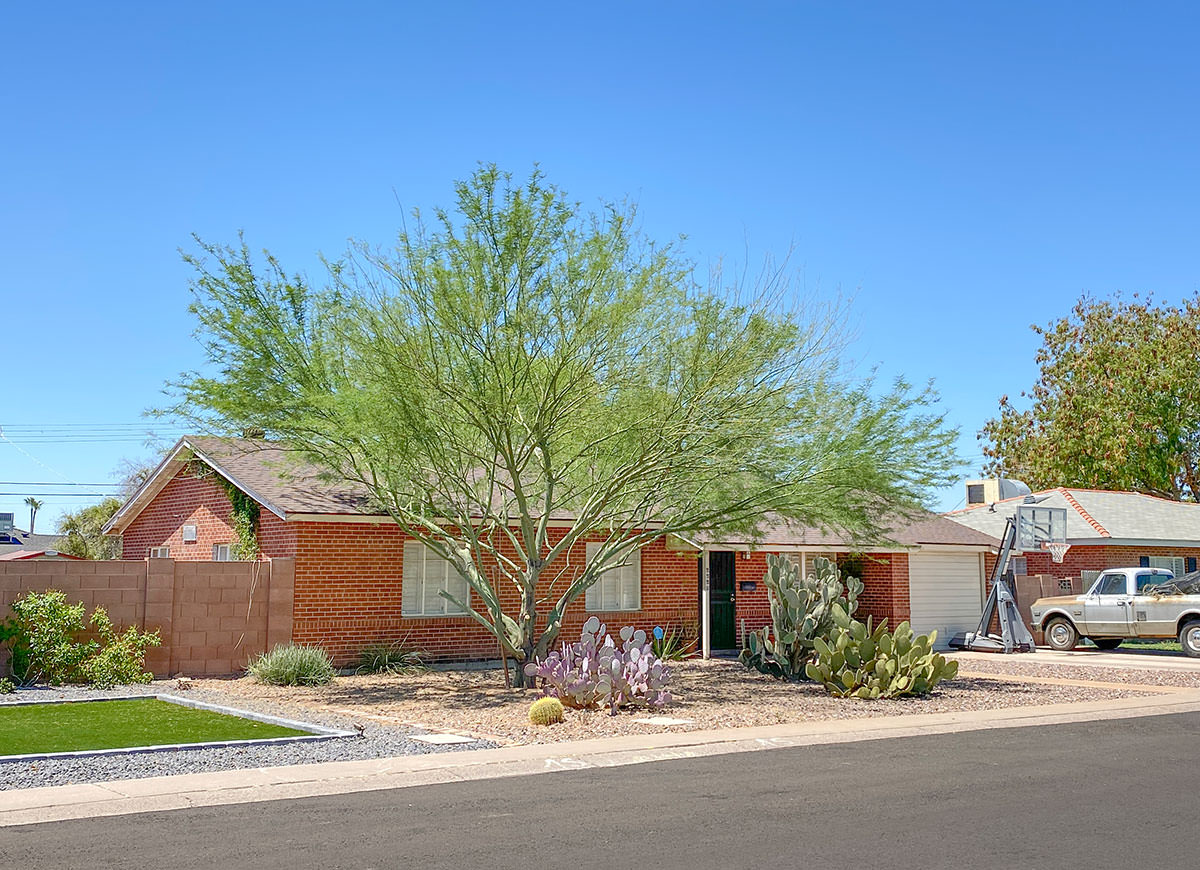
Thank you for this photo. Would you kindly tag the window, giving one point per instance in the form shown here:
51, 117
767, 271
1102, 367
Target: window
426, 576
1112, 584
618, 588
222, 552
1088, 578
975, 493
1144, 580
160, 552
189, 534
1019, 565
1174, 564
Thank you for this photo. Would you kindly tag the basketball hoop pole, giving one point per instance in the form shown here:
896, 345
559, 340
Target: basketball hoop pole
1014, 634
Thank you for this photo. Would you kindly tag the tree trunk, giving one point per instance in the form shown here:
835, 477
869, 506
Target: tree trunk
528, 623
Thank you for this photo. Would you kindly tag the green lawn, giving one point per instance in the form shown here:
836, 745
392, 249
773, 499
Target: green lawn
116, 724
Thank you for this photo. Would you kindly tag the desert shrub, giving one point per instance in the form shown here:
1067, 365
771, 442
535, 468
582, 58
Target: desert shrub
595, 672
41, 634
870, 664
803, 608
121, 658
546, 711
293, 665
396, 657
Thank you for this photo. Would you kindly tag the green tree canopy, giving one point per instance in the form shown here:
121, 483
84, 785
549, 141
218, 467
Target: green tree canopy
1116, 404
521, 364
82, 535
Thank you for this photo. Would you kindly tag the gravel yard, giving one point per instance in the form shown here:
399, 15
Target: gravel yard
714, 694
392, 709
378, 741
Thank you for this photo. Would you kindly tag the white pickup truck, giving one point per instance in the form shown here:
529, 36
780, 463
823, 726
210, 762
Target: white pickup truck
1124, 603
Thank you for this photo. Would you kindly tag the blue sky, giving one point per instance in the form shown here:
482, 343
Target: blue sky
963, 169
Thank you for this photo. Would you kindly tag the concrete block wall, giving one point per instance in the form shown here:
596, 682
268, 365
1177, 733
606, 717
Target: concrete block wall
213, 616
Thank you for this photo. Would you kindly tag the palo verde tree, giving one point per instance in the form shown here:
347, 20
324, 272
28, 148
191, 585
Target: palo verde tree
519, 376
1116, 404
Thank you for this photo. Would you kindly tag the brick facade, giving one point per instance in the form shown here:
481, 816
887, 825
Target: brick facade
347, 582
1095, 557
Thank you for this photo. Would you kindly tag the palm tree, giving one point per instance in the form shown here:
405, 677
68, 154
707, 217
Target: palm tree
34, 507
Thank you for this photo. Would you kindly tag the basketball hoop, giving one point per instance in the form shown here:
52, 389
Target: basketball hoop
1058, 549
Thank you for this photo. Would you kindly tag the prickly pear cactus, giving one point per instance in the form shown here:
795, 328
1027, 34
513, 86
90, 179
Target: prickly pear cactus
871, 664
597, 671
804, 609
546, 711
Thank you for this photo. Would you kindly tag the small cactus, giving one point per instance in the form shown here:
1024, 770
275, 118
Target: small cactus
546, 711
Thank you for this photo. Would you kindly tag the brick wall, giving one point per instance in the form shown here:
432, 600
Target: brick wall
213, 616
184, 500
885, 589
1094, 558
348, 594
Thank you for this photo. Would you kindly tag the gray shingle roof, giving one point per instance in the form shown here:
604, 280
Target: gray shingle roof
273, 475
22, 540
1097, 515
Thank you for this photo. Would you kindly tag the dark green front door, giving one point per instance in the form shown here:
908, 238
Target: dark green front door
720, 600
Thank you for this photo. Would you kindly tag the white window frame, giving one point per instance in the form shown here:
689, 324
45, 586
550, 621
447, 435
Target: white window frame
1175, 564
416, 600
190, 533
621, 585
159, 553
223, 553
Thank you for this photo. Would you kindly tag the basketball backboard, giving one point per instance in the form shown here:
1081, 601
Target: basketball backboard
1038, 526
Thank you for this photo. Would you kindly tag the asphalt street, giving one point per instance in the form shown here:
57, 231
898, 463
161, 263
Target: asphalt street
1116, 793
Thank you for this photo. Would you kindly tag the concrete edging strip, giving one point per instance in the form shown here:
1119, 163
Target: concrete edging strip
56, 803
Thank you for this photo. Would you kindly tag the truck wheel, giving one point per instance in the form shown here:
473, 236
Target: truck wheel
1189, 638
1062, 636
1107, 642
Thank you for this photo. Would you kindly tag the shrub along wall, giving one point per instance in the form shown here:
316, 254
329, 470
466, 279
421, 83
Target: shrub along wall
213, 616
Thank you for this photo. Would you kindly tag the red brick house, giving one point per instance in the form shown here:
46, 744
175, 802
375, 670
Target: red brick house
1105, 529
358, 580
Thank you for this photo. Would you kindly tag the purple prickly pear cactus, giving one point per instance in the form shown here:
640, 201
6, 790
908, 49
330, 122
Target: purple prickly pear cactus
597, 671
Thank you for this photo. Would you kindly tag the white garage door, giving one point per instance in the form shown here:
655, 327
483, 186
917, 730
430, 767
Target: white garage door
945, 592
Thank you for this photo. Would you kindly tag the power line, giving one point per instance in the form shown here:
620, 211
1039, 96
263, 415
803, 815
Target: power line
44, 483
62, 494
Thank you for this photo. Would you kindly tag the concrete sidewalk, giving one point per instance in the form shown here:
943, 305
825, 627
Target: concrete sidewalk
122, 797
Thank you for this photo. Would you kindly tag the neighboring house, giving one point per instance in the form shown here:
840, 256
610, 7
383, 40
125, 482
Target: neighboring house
14, 540
1105, 529
23, 555
359, 580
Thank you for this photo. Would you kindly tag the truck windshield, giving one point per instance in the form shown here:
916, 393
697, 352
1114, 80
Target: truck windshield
1110, 584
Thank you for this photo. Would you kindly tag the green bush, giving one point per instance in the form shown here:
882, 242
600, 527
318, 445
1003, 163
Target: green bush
7, 687
390, 658
41, 634
293, 665
121, 658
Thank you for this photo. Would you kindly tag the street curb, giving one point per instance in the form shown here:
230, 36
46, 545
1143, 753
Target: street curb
122, 797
